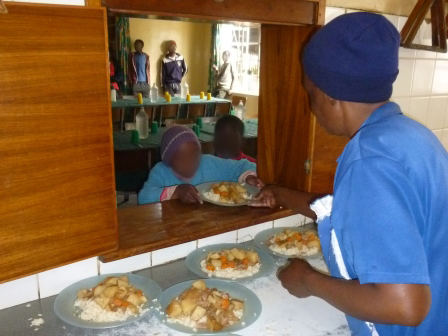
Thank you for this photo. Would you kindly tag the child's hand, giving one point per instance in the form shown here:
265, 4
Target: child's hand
254, 181
187, 194
265, 199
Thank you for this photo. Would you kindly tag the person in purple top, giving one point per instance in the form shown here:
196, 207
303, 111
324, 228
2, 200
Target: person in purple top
174, 68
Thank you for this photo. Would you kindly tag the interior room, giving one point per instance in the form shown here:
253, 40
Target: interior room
223, 167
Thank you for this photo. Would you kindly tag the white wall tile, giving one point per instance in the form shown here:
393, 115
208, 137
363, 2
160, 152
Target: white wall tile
442, 55
403, 103
436, 113
308, 220
445, 124
438, 134
165, 255
392, 18
404, 52
445, 138
403, 84
228, 237
53, 281
18, 291
424, 37
249, 233
423, 77
130, 264
332, 13
440, 85
295, 220
418, 109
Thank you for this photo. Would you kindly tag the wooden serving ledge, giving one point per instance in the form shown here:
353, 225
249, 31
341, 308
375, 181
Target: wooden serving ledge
151, 227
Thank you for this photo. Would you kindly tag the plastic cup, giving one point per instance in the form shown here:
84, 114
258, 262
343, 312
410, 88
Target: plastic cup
209, 96
139, 98
200, 123
201, 95
196, 130
168, 98
154, 127
135, 139
188, 97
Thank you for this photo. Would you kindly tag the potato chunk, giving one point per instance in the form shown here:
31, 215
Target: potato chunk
252, 256
199, 284
174, 309
110, 291
238, 304
239, 254
98, 290
216, 263
133, 298
198, 313
188, 306
102, 301
212, 324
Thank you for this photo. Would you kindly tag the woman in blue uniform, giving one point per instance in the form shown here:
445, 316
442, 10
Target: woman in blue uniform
384, 231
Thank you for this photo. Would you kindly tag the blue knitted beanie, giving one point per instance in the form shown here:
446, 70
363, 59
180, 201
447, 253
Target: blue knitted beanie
173, 138
354, 58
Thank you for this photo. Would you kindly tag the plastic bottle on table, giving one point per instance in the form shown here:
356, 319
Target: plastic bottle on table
142, 124
184, 90
240, 110
154, 93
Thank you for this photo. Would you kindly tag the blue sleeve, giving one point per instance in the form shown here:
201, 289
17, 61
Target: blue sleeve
379, 209
153, 187
227, 170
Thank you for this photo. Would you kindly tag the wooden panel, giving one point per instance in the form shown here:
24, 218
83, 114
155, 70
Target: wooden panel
154, 226
284, 114
325, 150
58, 204
267, 11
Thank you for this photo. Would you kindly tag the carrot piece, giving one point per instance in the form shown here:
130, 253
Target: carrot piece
277, 240
210, 268
311, 237
231, 264
223, 259
125, 304
244, 266
225, 303
216, 191
245, 261
118, 302
297, 236
289, 239
139, 292
224, 193
224, 266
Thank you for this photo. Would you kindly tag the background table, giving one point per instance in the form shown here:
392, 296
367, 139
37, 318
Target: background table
123, 103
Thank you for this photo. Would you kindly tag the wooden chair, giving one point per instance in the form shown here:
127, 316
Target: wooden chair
222, 109
196, 110
189, 121
236, 100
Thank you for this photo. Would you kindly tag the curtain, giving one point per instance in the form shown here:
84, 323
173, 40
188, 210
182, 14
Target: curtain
124, 48
214, 57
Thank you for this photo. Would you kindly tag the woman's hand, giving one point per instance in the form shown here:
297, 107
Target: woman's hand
254, 181
187, 194
293, 277
266, 198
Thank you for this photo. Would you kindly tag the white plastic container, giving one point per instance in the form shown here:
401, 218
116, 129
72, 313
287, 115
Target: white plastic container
113, 95
154, 93
240, 110
142, 124
184, 90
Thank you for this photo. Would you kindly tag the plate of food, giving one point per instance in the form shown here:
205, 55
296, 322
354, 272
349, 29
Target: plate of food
290, 242
227, 193
210, 306
106, 301
230, 262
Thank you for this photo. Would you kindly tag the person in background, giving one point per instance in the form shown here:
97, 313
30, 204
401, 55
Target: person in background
229, 139
116, 75
139, 70
384, 231
183, 167
225, 77
173, 69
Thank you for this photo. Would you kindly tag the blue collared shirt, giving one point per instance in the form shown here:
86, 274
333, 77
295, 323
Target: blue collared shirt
389, 221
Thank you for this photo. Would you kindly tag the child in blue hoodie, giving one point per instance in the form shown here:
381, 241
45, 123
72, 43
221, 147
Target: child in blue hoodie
184, 166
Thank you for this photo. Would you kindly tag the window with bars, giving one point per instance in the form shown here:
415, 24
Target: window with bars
243, 42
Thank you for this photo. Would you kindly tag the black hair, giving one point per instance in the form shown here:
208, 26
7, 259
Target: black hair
231, 121
136, 41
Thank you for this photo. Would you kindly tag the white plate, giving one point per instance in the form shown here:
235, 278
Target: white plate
205, 187
67, 312
262, 238
252, 305
193, 261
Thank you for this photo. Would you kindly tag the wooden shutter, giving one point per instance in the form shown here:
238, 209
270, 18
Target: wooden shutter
57, 194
